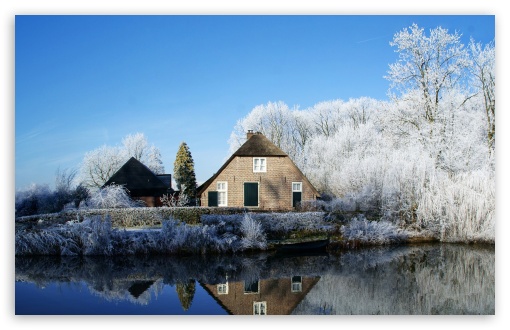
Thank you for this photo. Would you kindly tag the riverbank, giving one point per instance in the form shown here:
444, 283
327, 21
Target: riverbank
216, 233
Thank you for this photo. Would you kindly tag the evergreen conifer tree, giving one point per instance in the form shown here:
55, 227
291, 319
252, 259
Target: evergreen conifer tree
186, 293
184, 171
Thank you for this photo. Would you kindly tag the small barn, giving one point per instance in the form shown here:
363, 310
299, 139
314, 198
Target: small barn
259, 175
141, 182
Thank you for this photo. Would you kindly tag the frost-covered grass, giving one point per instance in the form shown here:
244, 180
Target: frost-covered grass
227, 233
364, 232
274, 225
96, 236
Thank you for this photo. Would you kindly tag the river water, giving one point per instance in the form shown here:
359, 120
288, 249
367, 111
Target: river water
397, 280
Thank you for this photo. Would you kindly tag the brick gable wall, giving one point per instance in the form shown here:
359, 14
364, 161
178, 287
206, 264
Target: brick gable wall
275, 185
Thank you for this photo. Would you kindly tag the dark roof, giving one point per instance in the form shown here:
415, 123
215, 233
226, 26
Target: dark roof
137, 178
259, 145
166, 179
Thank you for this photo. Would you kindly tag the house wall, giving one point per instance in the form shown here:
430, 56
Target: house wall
275, 185
150, 201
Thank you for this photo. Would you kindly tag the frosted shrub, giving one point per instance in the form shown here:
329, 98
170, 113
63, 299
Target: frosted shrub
460, 208
95, 235
271, 223
112, 196
252, 233
372, 232
171, 200
46, 242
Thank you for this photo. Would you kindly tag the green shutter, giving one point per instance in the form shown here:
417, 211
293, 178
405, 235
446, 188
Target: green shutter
251, 194
296, 198
212, 198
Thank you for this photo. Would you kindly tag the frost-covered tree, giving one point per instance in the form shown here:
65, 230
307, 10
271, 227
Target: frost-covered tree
100, 164
41, 199
272, 119
184, 171
431, 64
154, 162
137, 146
483, 71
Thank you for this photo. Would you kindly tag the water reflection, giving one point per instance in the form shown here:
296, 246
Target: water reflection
425, 279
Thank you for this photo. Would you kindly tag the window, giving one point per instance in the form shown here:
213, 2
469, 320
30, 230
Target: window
251, 287
259, 164
221, 187
297, 186
259, 308
297, 284
222, 288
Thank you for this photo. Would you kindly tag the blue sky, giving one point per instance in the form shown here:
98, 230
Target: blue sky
85, 81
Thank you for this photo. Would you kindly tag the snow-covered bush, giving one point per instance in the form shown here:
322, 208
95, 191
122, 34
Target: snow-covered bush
460, 208
40, 199
112, 196
362, 231
172, 200
273, 224
95, 236
252, 233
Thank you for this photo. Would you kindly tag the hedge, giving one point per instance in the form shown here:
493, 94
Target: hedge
134, 217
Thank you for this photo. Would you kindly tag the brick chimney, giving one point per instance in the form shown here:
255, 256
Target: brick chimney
249, 134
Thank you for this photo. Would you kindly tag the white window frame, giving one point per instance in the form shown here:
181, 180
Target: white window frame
259, 308
261, 167
222, 191
222, 288
300, 189
296, 286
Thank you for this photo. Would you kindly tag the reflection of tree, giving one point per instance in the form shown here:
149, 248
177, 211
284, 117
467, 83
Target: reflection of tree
186, 293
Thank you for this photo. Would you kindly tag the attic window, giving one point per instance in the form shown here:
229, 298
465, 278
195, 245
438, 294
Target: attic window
259, 164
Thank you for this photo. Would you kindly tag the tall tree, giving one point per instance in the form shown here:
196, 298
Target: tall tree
186, 293
484, 80
184, 171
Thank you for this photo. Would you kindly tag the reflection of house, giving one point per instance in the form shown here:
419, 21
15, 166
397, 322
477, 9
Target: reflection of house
258, 175
141, 182
262, 297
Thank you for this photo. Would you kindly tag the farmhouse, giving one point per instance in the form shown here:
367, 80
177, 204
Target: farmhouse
258, 175
141, 182
274, 296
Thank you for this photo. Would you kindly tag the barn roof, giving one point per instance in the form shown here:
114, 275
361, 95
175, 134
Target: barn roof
137, 177
259, 145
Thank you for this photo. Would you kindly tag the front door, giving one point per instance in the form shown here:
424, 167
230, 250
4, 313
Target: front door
212, 198
251, 194
297, 189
